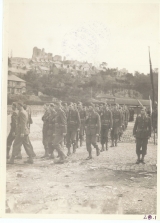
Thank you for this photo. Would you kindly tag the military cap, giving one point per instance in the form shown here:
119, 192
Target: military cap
25, 106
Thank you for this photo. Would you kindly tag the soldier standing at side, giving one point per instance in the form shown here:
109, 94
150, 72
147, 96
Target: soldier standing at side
142, 132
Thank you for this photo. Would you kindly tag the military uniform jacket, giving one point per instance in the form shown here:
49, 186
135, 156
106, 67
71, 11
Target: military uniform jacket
142, 127
106, 118
117, 118
51, 123
22, 125
82, 114
73, 120
60, 122
93, 124
14, 120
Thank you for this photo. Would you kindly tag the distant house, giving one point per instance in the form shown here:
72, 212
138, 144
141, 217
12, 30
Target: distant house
16, 85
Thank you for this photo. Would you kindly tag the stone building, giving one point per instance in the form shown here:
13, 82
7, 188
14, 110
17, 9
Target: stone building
16, 85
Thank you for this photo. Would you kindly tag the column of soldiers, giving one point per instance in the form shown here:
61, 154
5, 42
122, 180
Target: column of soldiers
68, 125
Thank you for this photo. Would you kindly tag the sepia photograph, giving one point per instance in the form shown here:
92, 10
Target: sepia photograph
81, 107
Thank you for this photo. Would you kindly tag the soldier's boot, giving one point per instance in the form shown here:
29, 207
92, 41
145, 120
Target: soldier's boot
106, 146
74, 147
46, 153
81, 141
30, 160
11, 161
90, 154
69, 152
102, 148
97, 150
19, 156
112, 145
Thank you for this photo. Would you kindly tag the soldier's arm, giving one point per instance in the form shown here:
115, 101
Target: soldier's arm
14, 121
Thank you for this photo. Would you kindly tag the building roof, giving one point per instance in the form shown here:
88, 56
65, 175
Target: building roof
12, 77
17, 70
132, 102
102, 95
43, 68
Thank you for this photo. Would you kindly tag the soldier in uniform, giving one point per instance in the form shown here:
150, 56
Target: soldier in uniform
45, 119
142, 132
92, 127
12, 132
117, 123
66, 110
22, 135
28, 110
73, 125
51, 130
106, 125
60, 131
82, 114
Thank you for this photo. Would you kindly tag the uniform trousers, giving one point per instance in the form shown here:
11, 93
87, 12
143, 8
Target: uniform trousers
57, 142
91, 140
141, 143
10, 140
18, 142
71, 136
104, 134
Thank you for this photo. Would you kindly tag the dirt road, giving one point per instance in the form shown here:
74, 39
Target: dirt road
109, 184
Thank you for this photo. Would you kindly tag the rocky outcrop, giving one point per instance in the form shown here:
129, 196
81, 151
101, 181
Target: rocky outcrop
40, 54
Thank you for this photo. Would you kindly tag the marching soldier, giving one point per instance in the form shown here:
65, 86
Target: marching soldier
117, 123
92, 127
12, 132
45, 119
60, 131
66, 110
73, 125
82, 114
106, 125
28, 110
142, 132
51, 130
22, 135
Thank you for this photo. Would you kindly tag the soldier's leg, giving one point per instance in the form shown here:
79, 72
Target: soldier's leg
102, 138
77, 139
138, 149
94, 143
45, 143
116, 135
16, 148
68, 141
112, 137
107, 132
73, 140
33, 153
144, 148
10, 140
88, 145
27, 148
57, 145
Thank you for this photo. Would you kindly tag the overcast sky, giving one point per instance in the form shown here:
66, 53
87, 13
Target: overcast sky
118, 34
